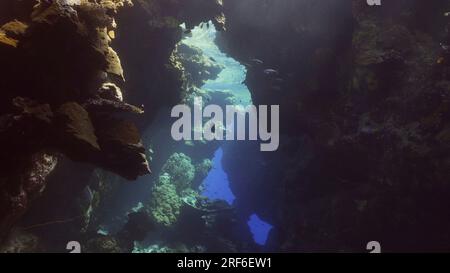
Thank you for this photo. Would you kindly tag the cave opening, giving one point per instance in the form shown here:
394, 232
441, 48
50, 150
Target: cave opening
216, 186
230, 81
259, 229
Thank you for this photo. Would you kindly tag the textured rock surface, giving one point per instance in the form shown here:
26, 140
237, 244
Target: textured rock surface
56, 56
72, 71
22, 188
363, 95
181, 170
147, 35
197, 67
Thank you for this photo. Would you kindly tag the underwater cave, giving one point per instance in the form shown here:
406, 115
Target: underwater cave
361, 126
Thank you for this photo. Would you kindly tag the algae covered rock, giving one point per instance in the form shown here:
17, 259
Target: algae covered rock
165, 203
181, 170
201, 171
21, 242
204, 167
103, 244
198, 68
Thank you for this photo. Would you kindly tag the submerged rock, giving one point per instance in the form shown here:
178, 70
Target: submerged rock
56, 56
104, 244
197, 68
21, 242
77, 130
359, 84
110, 91
202, 170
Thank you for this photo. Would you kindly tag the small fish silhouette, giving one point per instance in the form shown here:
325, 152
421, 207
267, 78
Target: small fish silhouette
270, 71
257, 61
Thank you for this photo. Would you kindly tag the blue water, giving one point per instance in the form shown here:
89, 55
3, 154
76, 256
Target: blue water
259, 229
216, 185
231, 78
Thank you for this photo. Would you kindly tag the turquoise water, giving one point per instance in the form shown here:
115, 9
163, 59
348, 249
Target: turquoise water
232, 76
230, 80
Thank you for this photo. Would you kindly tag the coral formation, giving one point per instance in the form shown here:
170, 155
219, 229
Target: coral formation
165, 202
196, 66
181, 171
201, 170
104, 244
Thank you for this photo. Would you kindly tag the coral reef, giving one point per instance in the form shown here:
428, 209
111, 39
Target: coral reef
197, 68
181, 171
165, 202
134, 231
104, 244
201, 171
167, 249
69, 69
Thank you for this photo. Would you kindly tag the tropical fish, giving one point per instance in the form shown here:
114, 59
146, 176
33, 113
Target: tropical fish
257, 61
270, 71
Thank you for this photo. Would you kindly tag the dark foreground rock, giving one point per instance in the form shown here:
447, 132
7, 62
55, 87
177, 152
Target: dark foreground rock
56, 60
363, 94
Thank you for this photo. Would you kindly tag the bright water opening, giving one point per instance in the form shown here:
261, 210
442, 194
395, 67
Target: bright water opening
259, 229
232, 76
216, 185
230, 80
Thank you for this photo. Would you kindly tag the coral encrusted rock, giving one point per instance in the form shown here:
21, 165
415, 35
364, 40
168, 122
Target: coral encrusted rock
57, 65
181, 170
165, 204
